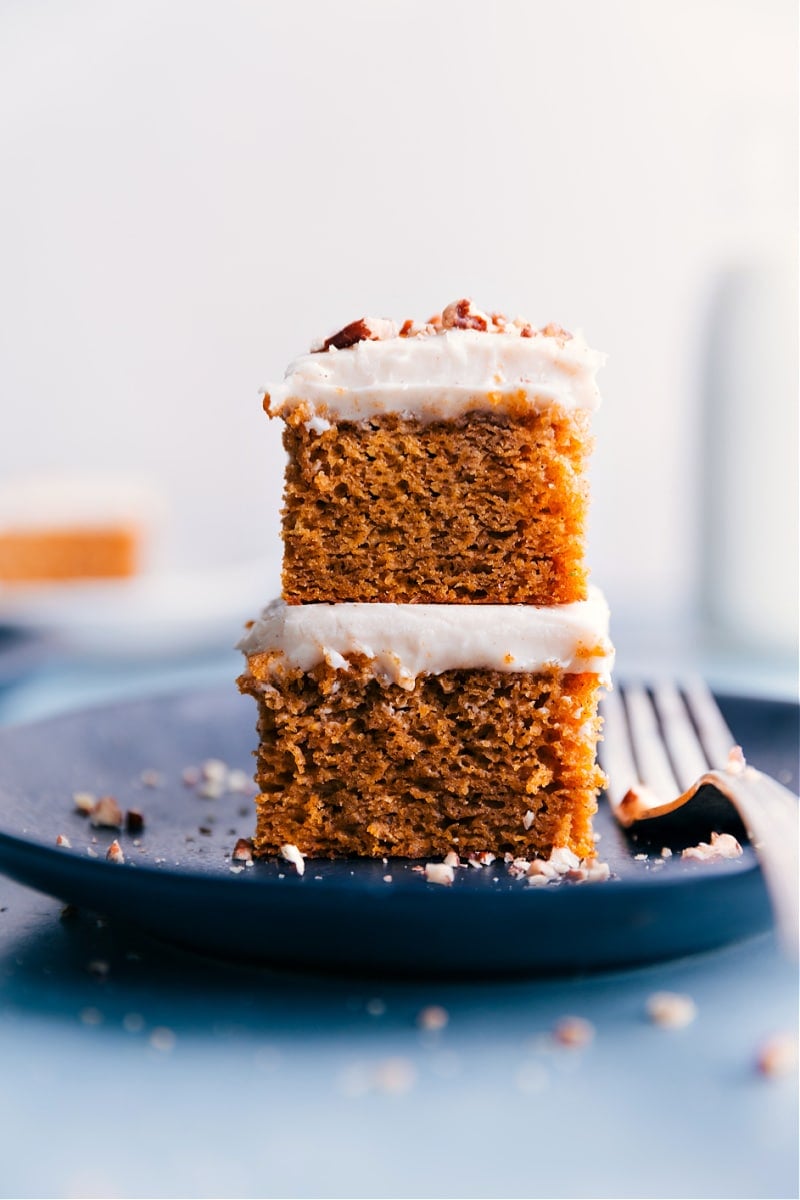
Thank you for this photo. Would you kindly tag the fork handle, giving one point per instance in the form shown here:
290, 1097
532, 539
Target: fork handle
769, 813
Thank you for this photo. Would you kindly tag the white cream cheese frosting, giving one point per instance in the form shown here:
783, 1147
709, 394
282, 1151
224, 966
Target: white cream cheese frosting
403, 641
440, 376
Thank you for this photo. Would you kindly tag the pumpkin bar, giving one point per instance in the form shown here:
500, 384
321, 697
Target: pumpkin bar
414, 730
442, 463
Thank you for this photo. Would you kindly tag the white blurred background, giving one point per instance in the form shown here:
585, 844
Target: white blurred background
192, 190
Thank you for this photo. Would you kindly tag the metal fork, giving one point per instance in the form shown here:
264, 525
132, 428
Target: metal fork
665, 747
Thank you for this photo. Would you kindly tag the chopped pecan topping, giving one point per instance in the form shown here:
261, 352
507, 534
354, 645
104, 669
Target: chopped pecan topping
134, 820
463, 315
243, 851
553, 330
365, 329
106, 814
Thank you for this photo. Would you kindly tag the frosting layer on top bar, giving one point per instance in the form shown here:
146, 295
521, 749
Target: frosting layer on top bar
441, 376
403, 641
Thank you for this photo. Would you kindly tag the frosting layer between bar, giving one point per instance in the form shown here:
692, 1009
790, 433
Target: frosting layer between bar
406, 640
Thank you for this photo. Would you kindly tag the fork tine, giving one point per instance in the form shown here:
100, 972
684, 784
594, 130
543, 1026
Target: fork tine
615, 749
686, 753
717, 739
655, 771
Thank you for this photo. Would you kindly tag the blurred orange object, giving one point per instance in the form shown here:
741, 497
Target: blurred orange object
54, 530
50, 555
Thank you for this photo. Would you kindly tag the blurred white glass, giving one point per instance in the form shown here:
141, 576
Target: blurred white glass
750, 453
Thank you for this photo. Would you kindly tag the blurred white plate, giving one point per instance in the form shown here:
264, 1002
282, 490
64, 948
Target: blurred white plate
163, 612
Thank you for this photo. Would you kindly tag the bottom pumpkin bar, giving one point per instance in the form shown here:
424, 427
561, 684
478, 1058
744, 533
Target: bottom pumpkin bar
412, 730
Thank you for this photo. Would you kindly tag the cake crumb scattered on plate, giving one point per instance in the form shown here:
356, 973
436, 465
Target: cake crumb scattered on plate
114, 852
106, 814
671, 1010
84, 802
441, 873
214, 769
432, 1018
292, 855
573, 1032
134, 821
777, 1056
722, 845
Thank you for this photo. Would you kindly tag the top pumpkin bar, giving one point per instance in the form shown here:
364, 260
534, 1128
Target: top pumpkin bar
437, 464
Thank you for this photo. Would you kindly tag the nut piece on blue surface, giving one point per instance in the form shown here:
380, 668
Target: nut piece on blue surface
106, 814
114, 853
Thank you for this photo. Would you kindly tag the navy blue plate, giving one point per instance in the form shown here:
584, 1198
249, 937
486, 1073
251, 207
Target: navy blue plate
177, 882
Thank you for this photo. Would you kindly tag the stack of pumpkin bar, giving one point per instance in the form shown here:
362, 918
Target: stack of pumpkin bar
429, 680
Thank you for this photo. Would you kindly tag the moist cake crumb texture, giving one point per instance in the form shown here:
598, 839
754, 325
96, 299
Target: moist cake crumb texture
438, 463
482, 510
347, 765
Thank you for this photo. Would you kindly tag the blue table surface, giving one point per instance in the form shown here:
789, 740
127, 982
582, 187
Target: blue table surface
130, 1068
